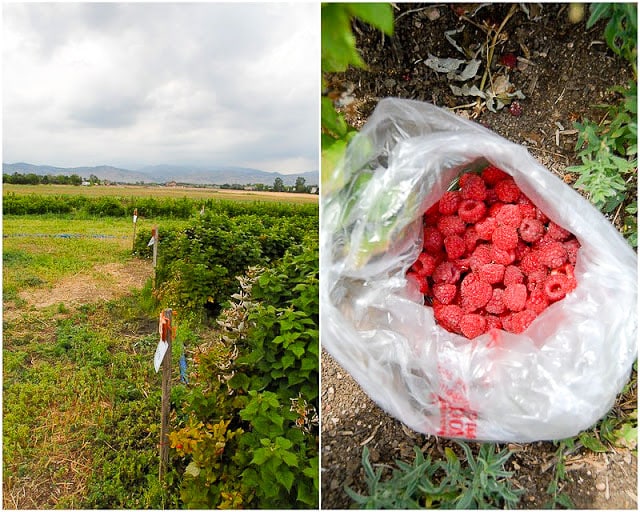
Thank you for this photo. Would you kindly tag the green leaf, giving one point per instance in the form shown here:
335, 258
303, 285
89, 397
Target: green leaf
192, 469
338, 42
285, 477
591, 442
598, 11
378, 15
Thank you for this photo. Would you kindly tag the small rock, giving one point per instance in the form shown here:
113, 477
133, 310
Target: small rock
389, 83
433, 13
601, 486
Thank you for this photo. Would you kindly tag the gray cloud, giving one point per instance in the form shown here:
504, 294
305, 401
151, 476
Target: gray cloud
139, 84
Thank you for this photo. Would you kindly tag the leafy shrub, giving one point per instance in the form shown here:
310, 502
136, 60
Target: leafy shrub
249, 435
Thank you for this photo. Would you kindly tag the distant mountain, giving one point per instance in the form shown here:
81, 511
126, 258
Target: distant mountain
215, 175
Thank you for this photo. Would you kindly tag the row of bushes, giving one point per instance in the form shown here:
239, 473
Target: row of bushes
177, 208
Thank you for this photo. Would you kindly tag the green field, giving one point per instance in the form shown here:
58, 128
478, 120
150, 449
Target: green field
159, 191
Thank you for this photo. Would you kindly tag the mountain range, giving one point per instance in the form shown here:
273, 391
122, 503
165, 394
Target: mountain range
195, 175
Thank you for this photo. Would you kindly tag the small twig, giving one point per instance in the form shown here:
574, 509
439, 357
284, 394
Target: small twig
368, 439
411, 11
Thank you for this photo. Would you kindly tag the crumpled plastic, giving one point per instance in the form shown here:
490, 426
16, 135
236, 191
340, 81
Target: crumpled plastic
554, 380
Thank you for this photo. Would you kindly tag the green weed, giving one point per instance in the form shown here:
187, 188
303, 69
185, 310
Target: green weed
476, 482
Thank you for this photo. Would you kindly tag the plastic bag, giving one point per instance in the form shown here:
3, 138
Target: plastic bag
552, 381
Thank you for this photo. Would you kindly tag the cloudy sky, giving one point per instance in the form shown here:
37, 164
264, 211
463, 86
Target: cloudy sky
141, 84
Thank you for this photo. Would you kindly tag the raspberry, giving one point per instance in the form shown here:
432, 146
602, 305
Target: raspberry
448, 316
492, 175
486, 227
473, 325
515, 109
512, 275
531, 230
433, 240
509, 60
521, 320
474, 293
481, 256
455, 246
515, 296
521, 249
445, 293
553, 255
555, 232
493, 322
531, 262
527, 209
503, 257
509, 215
451, 225
473, 187
471, 211
571, 246
491, 273
424, 265
505, 237
537, 301
470, 239
449, 202
536, 279
420, 281
541, 216
446, 272
495, 208
496, 302
556, 287
507, 190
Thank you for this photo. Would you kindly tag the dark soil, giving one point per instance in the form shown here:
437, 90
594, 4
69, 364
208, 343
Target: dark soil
563, 70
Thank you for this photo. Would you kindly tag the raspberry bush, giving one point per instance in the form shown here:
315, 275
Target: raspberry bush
491, 258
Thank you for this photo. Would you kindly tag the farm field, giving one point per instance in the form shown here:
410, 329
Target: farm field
81, 399
159, 191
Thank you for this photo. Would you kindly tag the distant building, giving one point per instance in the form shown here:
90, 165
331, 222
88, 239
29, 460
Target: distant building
85, 183
171, 184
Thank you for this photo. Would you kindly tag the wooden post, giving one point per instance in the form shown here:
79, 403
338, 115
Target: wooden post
135, 222
166, 393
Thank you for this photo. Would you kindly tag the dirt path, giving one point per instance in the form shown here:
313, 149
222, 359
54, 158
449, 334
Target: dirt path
103, 282
566, 70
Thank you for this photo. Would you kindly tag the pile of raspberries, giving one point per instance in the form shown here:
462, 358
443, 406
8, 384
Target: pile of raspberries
491, 258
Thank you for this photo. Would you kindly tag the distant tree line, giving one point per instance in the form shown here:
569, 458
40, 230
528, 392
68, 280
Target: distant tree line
16, 178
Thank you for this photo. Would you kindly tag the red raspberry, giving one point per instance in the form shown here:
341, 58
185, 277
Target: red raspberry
521, 249
537, 301
512, 275
451, 225
531, 262
433, 240
445, 293
481, 256
505, 237
492, 175
515, 109
521, 320
495, 208
486, 227
449, 203
474, 293
557, 286
509, 215
503, 257
470, 239
509, 60
473, 187
541, 216
553, 255
571, 246
555, 232
420, 281
448, 316
493, 322
531, 230
496, 302
491, 273
455, 246
536, 279
507, 190
471, 211
446, 272
515, 297
424, 265
473, 325
431, 216
527, 209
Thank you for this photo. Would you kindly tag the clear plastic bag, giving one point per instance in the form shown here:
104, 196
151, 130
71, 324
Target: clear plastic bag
552, 381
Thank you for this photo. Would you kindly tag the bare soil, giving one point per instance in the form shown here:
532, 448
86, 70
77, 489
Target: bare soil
563, 71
